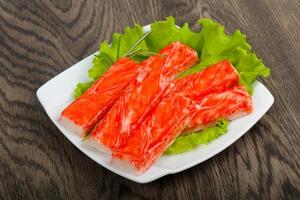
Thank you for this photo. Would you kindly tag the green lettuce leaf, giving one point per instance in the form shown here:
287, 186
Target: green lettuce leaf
190, 141
249, 68
212, 44
166, 32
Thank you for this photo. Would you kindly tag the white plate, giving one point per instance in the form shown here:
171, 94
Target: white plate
57, 93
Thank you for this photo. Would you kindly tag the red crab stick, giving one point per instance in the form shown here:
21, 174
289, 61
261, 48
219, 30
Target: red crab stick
143, 94
214, 78
81, 115
229, 104
160, 128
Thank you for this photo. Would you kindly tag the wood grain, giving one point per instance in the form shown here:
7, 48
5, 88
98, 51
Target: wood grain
40, 38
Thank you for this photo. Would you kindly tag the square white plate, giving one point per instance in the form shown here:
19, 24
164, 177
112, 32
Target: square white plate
57, 93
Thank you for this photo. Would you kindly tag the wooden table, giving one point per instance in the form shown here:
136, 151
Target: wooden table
39, 39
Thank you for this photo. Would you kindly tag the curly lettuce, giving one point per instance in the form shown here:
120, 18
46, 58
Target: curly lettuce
211, 42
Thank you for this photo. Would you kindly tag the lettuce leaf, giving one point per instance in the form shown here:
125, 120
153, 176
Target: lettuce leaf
249, 68
217, 45
190, 141
165, 32
212, 44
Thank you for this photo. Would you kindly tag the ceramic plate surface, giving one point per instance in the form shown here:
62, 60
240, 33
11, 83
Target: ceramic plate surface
57, 93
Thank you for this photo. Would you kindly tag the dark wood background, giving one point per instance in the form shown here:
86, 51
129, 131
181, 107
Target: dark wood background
40, 38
